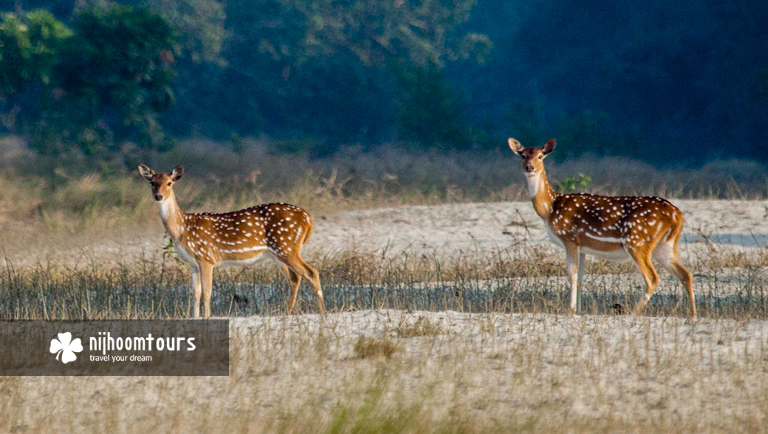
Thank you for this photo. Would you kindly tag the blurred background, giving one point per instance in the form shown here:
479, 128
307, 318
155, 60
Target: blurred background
386, 97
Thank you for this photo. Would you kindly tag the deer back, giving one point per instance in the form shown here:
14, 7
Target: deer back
279, 228
606, 223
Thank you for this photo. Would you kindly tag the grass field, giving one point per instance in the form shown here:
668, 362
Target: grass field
447, 308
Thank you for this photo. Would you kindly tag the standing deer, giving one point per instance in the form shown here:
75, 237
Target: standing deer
617, 228
241, 237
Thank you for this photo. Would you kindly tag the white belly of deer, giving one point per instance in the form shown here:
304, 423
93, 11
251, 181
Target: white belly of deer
258, 257
618, 255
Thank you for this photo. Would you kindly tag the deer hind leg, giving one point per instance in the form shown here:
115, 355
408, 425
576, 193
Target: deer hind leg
206, 272
295, 281
297, 264
642, 258
666, 255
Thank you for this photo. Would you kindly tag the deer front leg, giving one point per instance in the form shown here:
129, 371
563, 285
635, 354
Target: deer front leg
206, 272
582, 261
197, 289
572, 261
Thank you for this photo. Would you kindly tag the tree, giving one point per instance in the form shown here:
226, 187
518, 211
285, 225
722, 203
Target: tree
329, 69
430, 111
200, 25
116, 76
30, 46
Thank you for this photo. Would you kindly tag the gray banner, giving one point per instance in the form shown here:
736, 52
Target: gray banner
135, 347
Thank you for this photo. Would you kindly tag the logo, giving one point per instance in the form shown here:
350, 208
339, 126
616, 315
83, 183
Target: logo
66, 347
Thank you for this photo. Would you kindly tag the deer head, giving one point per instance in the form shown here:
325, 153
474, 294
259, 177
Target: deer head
162, 183
532, 158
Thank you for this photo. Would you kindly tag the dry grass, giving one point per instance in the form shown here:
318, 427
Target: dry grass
80, 199
523, 277
486, 373
367, 347
421, 327
416, 341
516, 363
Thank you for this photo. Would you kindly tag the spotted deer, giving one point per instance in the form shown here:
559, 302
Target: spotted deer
244, 237
616, 228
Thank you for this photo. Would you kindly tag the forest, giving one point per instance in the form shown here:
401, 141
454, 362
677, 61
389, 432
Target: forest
670, 83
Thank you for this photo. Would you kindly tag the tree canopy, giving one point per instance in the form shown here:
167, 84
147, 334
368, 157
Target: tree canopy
660, 81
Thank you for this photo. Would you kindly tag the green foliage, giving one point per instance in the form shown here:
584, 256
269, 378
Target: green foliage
430, 112
123, 57
200, 25
573, 184
29, 49
527, 121
586, 132
115, 78
373, 31
338, 71
315, 73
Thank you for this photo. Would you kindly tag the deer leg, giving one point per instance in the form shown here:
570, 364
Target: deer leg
295, 281
666, 255
643, 262
686, 279
206, 272
297, 264
572, 265
582, 261
196, 288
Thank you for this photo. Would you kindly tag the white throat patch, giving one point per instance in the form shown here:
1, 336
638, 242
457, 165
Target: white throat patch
166, 207
533, 184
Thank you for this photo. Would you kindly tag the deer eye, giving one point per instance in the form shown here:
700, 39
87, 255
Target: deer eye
541, 156
522, 157
169, 183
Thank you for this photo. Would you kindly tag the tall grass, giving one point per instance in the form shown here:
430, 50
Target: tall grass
415, 341
77, 199
729, 284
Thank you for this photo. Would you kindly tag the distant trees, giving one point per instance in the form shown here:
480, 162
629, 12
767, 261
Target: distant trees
116, 75
657, 80
660, 81
344, 70
429, 111
30, 47
91, 88
322, 71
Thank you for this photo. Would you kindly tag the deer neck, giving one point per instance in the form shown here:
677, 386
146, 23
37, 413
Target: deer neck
542, 194
173, 217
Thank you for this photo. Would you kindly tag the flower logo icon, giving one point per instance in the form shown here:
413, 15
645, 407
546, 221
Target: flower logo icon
65, 346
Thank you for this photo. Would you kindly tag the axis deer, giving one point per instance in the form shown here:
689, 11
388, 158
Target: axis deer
244, 237
617, 228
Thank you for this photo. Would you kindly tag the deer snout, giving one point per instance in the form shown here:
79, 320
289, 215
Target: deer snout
529, 168
158, 197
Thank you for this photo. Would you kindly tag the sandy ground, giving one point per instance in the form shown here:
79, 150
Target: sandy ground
476, 371
442, 229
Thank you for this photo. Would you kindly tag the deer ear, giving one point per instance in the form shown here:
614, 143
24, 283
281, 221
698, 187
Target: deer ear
515, 146
146, 172
549, 147
177, 172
